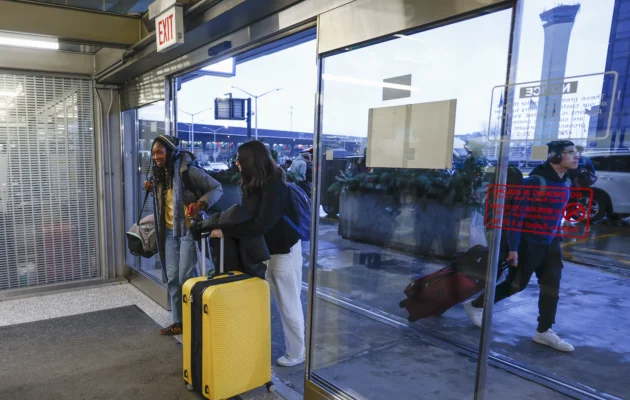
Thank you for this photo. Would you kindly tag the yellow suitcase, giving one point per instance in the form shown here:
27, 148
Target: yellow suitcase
226, 332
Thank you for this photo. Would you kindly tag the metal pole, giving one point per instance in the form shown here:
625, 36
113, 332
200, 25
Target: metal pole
256, 115
192, 134
249, 119
500, 178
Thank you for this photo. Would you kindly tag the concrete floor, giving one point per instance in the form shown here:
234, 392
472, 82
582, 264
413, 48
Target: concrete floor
592, 314
94, 299
373, 360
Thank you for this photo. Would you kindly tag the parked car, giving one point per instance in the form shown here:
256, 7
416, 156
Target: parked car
611, 192
215, 166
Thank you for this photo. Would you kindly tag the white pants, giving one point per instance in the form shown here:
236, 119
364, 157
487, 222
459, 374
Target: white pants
284, 275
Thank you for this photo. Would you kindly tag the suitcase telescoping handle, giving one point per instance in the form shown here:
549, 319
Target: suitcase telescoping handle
222, 255
203, 242
204, 239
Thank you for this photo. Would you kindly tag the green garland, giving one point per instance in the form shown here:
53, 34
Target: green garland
448, 186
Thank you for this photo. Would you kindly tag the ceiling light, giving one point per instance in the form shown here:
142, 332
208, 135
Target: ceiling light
355, 81
31, 41
222, 67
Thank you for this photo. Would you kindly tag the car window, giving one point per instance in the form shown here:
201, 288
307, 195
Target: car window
601, 163
620, 163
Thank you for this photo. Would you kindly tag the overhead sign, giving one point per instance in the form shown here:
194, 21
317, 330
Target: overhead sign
227, 108
169, 29
531, 209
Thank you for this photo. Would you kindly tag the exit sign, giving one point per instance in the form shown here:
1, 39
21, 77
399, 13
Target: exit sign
169, 29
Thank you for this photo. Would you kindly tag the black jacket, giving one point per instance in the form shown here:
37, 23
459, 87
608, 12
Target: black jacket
246, 253
267, 207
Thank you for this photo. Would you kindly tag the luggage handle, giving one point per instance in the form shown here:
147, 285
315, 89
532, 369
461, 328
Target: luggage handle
204, 239
203, 243
221, 261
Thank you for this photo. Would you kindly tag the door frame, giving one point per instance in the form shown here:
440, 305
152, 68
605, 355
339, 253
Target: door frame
316, 387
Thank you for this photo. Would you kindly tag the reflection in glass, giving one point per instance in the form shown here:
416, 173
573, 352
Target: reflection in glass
394, 225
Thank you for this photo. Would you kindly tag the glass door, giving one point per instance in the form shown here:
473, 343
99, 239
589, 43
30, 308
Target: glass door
397, 212
398, 203
141, 127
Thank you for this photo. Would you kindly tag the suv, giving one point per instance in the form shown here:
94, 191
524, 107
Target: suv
611, 192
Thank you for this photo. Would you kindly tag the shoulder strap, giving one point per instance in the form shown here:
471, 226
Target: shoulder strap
542, 180
568, 183
146, 197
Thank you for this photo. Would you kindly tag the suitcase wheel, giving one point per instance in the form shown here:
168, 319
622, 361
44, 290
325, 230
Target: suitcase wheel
271, 388
190, 387
403, 304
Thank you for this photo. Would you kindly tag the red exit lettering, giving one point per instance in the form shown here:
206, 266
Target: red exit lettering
165, 30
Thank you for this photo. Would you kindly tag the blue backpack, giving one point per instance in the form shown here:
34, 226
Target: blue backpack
301, 204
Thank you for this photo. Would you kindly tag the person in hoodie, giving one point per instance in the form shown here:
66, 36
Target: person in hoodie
181, 191
299, 166
538, 252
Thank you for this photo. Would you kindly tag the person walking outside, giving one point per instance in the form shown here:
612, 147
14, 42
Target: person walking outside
538, 253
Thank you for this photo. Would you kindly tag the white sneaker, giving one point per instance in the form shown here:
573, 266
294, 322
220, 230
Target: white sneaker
286, 361
475, 314
551, 339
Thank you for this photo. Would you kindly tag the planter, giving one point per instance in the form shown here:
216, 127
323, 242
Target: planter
419, 226
231, 195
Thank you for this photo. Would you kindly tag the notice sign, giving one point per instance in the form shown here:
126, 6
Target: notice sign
570, 108
169, 29
540, 210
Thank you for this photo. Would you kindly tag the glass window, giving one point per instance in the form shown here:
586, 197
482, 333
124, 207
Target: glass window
396, 220
140, 128
558, 314
391, 223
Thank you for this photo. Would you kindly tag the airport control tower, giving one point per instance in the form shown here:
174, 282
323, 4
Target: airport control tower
558, 23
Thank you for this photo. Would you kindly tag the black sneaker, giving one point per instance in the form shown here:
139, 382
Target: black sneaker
175, 329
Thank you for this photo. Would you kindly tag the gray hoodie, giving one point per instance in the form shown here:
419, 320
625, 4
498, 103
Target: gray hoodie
299, 167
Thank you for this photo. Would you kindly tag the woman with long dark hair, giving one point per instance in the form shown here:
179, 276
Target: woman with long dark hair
267, 198
178, 186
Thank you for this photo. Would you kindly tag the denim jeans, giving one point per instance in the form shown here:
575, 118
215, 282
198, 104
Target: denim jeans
181, 265
284, 275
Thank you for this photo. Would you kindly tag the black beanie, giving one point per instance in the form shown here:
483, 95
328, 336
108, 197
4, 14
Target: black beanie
170, 142
558, 146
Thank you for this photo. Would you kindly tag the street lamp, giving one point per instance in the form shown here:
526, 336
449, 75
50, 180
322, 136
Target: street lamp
256, 97
191, 136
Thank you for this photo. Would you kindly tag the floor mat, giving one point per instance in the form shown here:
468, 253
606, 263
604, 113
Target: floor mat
111, 354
